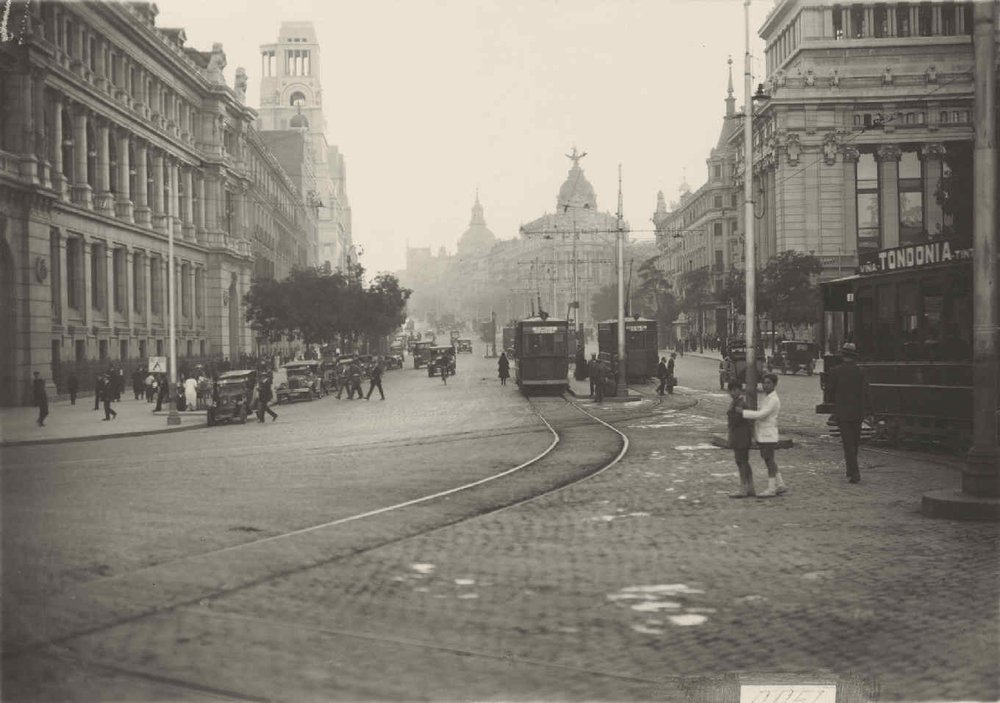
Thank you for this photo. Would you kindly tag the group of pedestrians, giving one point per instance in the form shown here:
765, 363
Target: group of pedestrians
851, 400
350, 378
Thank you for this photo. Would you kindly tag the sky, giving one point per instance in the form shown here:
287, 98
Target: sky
430, 100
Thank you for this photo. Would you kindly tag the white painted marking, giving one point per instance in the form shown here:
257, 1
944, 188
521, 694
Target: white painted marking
422, 568
686, 620
652, 606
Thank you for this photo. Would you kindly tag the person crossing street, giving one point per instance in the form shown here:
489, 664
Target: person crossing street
264, 396
375, 378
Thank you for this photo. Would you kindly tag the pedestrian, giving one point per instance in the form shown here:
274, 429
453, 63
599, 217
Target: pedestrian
851, 399
580, 364
592, 372
599, 374
137, 383
354, 380
162, 392
503, 368
740, 434
442, 365
765, 431
191, 392
375, 379
671, 377
98, 383
150, 387
661, 373
73, 384
264, 395
41, 398
117, 383
107, 395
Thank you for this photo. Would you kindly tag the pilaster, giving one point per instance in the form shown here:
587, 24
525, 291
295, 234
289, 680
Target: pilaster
123, 206
104, 200
932, 155
81, 191
850, 232
888, 176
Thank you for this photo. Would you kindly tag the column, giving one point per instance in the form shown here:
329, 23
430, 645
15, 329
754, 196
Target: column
104, 200
142, 214
199, 213
147, 293
849, 242
891, 17
130, 283
101, 66
23, 124
58, 179
41, 127
82, 194
932, 155
123, 207
193, 308
109, 281
935, 20
869, 21
188, 225
159, 214
888, 188
64, 279
173, 171
86, 299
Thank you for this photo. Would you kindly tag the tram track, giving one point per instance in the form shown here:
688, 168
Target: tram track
583, 446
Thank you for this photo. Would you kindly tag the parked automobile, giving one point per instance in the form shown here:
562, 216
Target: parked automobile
733, 366
231, 396
793, 355
441, 358
463, 346
421, 353
298, 380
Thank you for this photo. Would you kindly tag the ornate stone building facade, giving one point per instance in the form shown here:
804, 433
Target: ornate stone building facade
113, 134
291, 98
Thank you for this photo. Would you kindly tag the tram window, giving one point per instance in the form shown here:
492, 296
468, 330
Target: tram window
886, 332
865, 312
909, 317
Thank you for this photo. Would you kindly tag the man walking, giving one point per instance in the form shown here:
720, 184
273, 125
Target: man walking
592, 372
765, 431
264, 395
41, 398
661, 373
354, 380
375, 375
107, 395
671, 379
851, 399
73, 384
598, 375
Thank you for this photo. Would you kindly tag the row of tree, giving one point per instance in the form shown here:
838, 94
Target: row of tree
319, 306
787, 292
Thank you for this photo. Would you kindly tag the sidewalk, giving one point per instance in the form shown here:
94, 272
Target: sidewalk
69, 423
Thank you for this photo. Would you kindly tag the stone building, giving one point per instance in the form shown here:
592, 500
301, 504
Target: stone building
291, 98
867, 128
114, 134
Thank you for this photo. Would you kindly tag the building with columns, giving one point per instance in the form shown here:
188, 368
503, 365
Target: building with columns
867, 131
291, 98
113, 136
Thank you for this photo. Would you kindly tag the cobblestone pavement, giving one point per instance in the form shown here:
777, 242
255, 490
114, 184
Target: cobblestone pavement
616, 588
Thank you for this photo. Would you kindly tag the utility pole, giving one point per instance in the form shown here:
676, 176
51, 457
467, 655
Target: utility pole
173, 417
750, 268
622, 386
980, 495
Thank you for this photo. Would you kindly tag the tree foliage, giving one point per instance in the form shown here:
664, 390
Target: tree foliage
320, 306
604, 303
788, 290
654, 296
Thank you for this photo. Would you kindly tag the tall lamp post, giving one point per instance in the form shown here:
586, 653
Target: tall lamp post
750, 256
173, 417
621, 388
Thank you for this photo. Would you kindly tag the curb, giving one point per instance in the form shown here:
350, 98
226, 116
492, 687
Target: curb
91, 438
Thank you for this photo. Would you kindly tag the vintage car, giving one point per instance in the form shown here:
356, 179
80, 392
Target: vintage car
464, 346
453, 335
421, 353
793, 355
733, 366
231, 396
298, 380
441, 357
393, 360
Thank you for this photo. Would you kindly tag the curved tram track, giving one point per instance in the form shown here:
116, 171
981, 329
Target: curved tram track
583, 446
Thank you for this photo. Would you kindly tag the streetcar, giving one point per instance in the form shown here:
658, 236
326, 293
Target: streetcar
909, 312
640, 345
508, 339
540, 345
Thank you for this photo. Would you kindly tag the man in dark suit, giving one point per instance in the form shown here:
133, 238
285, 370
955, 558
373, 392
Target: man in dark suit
40, 397
850, 401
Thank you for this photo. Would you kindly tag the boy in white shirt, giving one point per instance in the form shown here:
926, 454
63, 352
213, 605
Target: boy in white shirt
765, 431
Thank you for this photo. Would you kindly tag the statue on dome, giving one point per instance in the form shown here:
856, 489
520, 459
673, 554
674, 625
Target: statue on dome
574, 157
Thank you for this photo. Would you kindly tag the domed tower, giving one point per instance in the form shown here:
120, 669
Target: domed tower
477, 239
290, 87
576, 192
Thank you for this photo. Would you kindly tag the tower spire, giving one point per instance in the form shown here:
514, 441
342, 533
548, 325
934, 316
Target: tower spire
730, 100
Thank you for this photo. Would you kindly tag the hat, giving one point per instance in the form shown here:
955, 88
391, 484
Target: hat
849, 349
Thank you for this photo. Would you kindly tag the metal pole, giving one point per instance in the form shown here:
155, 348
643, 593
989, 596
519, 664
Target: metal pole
750, 256
173, 417
981, 475
622, 387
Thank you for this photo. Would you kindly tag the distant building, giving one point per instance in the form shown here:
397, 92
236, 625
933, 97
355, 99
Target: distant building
291, 99
113, 133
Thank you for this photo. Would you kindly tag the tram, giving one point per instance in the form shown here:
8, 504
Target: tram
540, 345
909, 312
508, 339
640, 346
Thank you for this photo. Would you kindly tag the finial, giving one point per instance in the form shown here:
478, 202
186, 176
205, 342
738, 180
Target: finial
729, 90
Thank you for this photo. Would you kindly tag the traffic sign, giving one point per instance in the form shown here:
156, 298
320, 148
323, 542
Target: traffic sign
157, 364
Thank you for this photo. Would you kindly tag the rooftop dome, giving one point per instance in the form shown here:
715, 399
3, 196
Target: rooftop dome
478, 238
576, 191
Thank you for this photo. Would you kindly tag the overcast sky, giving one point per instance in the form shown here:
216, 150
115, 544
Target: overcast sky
430, 99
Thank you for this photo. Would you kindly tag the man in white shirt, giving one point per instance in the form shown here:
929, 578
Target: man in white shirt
765, 431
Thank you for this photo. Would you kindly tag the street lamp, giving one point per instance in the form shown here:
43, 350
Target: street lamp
748, 216
173, 417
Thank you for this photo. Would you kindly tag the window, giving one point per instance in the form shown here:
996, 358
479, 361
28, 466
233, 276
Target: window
838, 22
123, 349
91, 157
118, 278
138, 282
717, 202
80, 349
142, 348
159, 347
297, 98
98, 271
948, 20
881, 21
717, 172
867, 199
74, 272
717, 229
911, 200
924, 14
268, 64
199, 292
903, 28
857, 21
102, 350
156, 286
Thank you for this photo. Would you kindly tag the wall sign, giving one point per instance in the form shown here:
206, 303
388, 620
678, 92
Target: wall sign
941, 251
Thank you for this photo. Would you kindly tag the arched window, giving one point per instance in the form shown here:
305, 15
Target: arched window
297, 98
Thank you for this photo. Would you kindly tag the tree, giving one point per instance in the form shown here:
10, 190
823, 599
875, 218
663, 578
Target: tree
695, 290
789, 288
604, 303
655, 296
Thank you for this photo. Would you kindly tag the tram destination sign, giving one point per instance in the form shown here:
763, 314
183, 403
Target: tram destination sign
912, 256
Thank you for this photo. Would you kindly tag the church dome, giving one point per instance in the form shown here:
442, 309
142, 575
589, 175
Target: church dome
477, 239
576, 191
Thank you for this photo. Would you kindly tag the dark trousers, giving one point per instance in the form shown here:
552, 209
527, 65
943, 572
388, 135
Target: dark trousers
742, 457
372, 386
108, 412
850, 438
43, 411
599, 389
263, 408
662, 386
72, 396
97, 399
